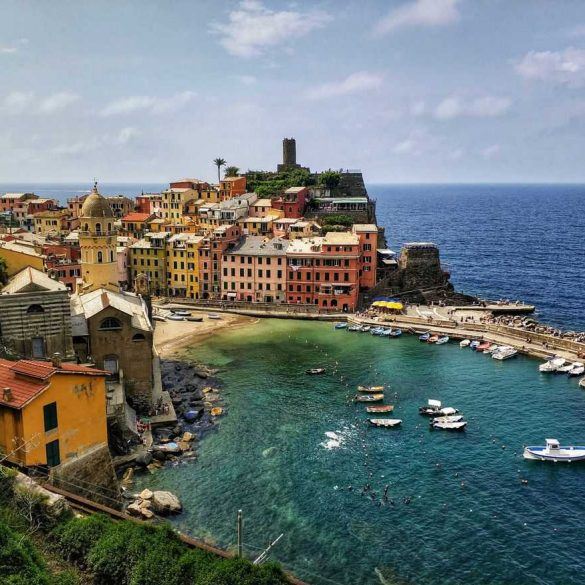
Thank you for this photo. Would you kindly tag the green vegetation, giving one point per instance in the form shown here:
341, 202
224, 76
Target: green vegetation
38, 549
268, 184
231, 171
329, 179
219, 162
338, 219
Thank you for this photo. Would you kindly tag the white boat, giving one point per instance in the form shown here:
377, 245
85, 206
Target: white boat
445, 419
449, 426
173, 317
552, 365
554, 452
442, 340
465, 343
434, 408
493, 349
385, 422
181, 312
577, 369
474, 344
504, 353
214, 316
565, 369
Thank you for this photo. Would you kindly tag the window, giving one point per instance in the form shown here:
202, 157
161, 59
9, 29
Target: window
52, 451
109, 324
50, 415
100, 257
35, 309
138, 337
98, 228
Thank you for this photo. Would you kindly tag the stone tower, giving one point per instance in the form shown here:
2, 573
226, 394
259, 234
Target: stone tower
97, 240
289, 155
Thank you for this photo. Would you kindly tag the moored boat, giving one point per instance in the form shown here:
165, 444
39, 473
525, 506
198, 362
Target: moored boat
554, 452
474, 344
195, 319
159, 318
433, 339
175, 317
582, 383
424, 336
365, 328
340, 325
483, 346
368, 397
577, 370
552, 365
505, 352
452, 418
442, 340
380, 409
449, 426
354, 328
315, 371
492, 349
386, 333
214, 316
385, 422
435, 408
465, 343
395, 332
371, 389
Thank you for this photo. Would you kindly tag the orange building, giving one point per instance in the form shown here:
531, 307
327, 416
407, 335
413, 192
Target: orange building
368, 236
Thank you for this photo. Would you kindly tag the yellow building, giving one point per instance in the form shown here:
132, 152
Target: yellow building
174, 201
97, 240
183, 265
52, 223
50, 413
19, 254
258, 226
148, 256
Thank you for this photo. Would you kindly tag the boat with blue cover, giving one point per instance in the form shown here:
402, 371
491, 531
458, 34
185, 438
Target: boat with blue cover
395, 333
554, 452
424, 336
340, 325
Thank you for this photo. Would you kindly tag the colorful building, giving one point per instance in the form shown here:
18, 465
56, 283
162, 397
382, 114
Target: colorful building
53, 222
254, 270
292, 202
120, 205
50, 413
135, 224
368, 237
148, 257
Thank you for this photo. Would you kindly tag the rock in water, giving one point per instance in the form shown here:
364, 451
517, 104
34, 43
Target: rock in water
165, 503
146, 494
269, 452
134, 509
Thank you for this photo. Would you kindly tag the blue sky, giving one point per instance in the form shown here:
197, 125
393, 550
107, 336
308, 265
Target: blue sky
406, 90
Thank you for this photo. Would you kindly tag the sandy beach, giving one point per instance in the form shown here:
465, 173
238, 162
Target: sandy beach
172, 336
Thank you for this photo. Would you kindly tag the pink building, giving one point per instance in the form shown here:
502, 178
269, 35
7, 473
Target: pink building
254, 270
368, 236
292, 202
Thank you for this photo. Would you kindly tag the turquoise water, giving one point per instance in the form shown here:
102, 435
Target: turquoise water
470, 518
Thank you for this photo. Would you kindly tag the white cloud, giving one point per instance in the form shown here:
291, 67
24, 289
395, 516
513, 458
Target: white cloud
490, 152
126, 135
565, 67
425, 13
57, 101
418, 142
419, 108
252, 28
246, 79
154, 105
8, 50
17, 102
355, 83
481, 107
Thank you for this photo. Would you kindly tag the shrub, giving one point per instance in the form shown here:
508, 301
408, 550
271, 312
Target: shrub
242, 572
75, 538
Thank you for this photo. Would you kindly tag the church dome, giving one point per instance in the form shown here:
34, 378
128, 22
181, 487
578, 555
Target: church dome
96, 205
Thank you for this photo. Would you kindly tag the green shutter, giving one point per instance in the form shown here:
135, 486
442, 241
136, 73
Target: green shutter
50, 414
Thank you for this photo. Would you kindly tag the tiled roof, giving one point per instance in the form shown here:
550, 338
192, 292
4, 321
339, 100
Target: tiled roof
28, 276
23, 380
136, 216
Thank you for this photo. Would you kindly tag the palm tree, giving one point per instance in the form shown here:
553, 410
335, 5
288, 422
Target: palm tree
231, 172
219, 162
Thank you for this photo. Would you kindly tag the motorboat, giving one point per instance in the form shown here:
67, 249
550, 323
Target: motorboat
445, 419
465, 343
214, 316
552, 365
492, 349
369, 397
315, 371
554, 452
365, 328
385, 422
340, 325
433, 339
435, 408
175, 317
395, 332
474, 344
565, 369
449, 426
577, 370
195, 319
505, 352
380, 408
442, 340
354, 328
424, 336
386, 333
371, 389
483, 346
377, 331
181, 312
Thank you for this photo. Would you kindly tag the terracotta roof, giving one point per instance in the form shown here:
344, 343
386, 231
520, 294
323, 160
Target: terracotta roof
21, 381
136, 216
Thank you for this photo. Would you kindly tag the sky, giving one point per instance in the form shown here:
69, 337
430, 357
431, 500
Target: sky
405, 90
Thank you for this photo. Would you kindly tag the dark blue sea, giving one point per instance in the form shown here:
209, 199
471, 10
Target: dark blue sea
499, 241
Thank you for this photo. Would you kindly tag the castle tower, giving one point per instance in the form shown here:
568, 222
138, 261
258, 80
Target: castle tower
289, 155
97, 240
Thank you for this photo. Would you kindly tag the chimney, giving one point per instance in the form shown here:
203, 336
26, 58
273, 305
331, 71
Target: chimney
56, 360
7, 395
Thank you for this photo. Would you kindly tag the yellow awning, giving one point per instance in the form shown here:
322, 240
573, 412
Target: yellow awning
396, 306
378, 304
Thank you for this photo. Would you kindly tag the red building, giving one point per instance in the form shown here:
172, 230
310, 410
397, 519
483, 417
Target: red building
136, 223
292, 202
368, 236
148, 203
38, 205
324, 271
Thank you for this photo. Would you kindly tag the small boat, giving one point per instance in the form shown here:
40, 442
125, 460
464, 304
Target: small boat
505, 352
442, 340
554, 452
369, 397
213, 316
377, 331
452, 418
354, 328
433, 339
577, 370
483, 346
395, 333
181, 312
424, 337
174, 317
315, 371
365, 328
386, 333
465, 343
195, 319
552, 365
340, 325
449, 426
474, 344
371, 389
159, 318
492, 349
435, 408
380, 409
582, 383
385, 422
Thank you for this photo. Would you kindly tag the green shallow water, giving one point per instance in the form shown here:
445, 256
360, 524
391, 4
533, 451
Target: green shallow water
469, 520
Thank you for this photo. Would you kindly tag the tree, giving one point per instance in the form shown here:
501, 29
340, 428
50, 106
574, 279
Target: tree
329, 179
231, 172
219, 162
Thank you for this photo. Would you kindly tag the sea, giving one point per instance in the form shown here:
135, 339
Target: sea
297, 456
514, 241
